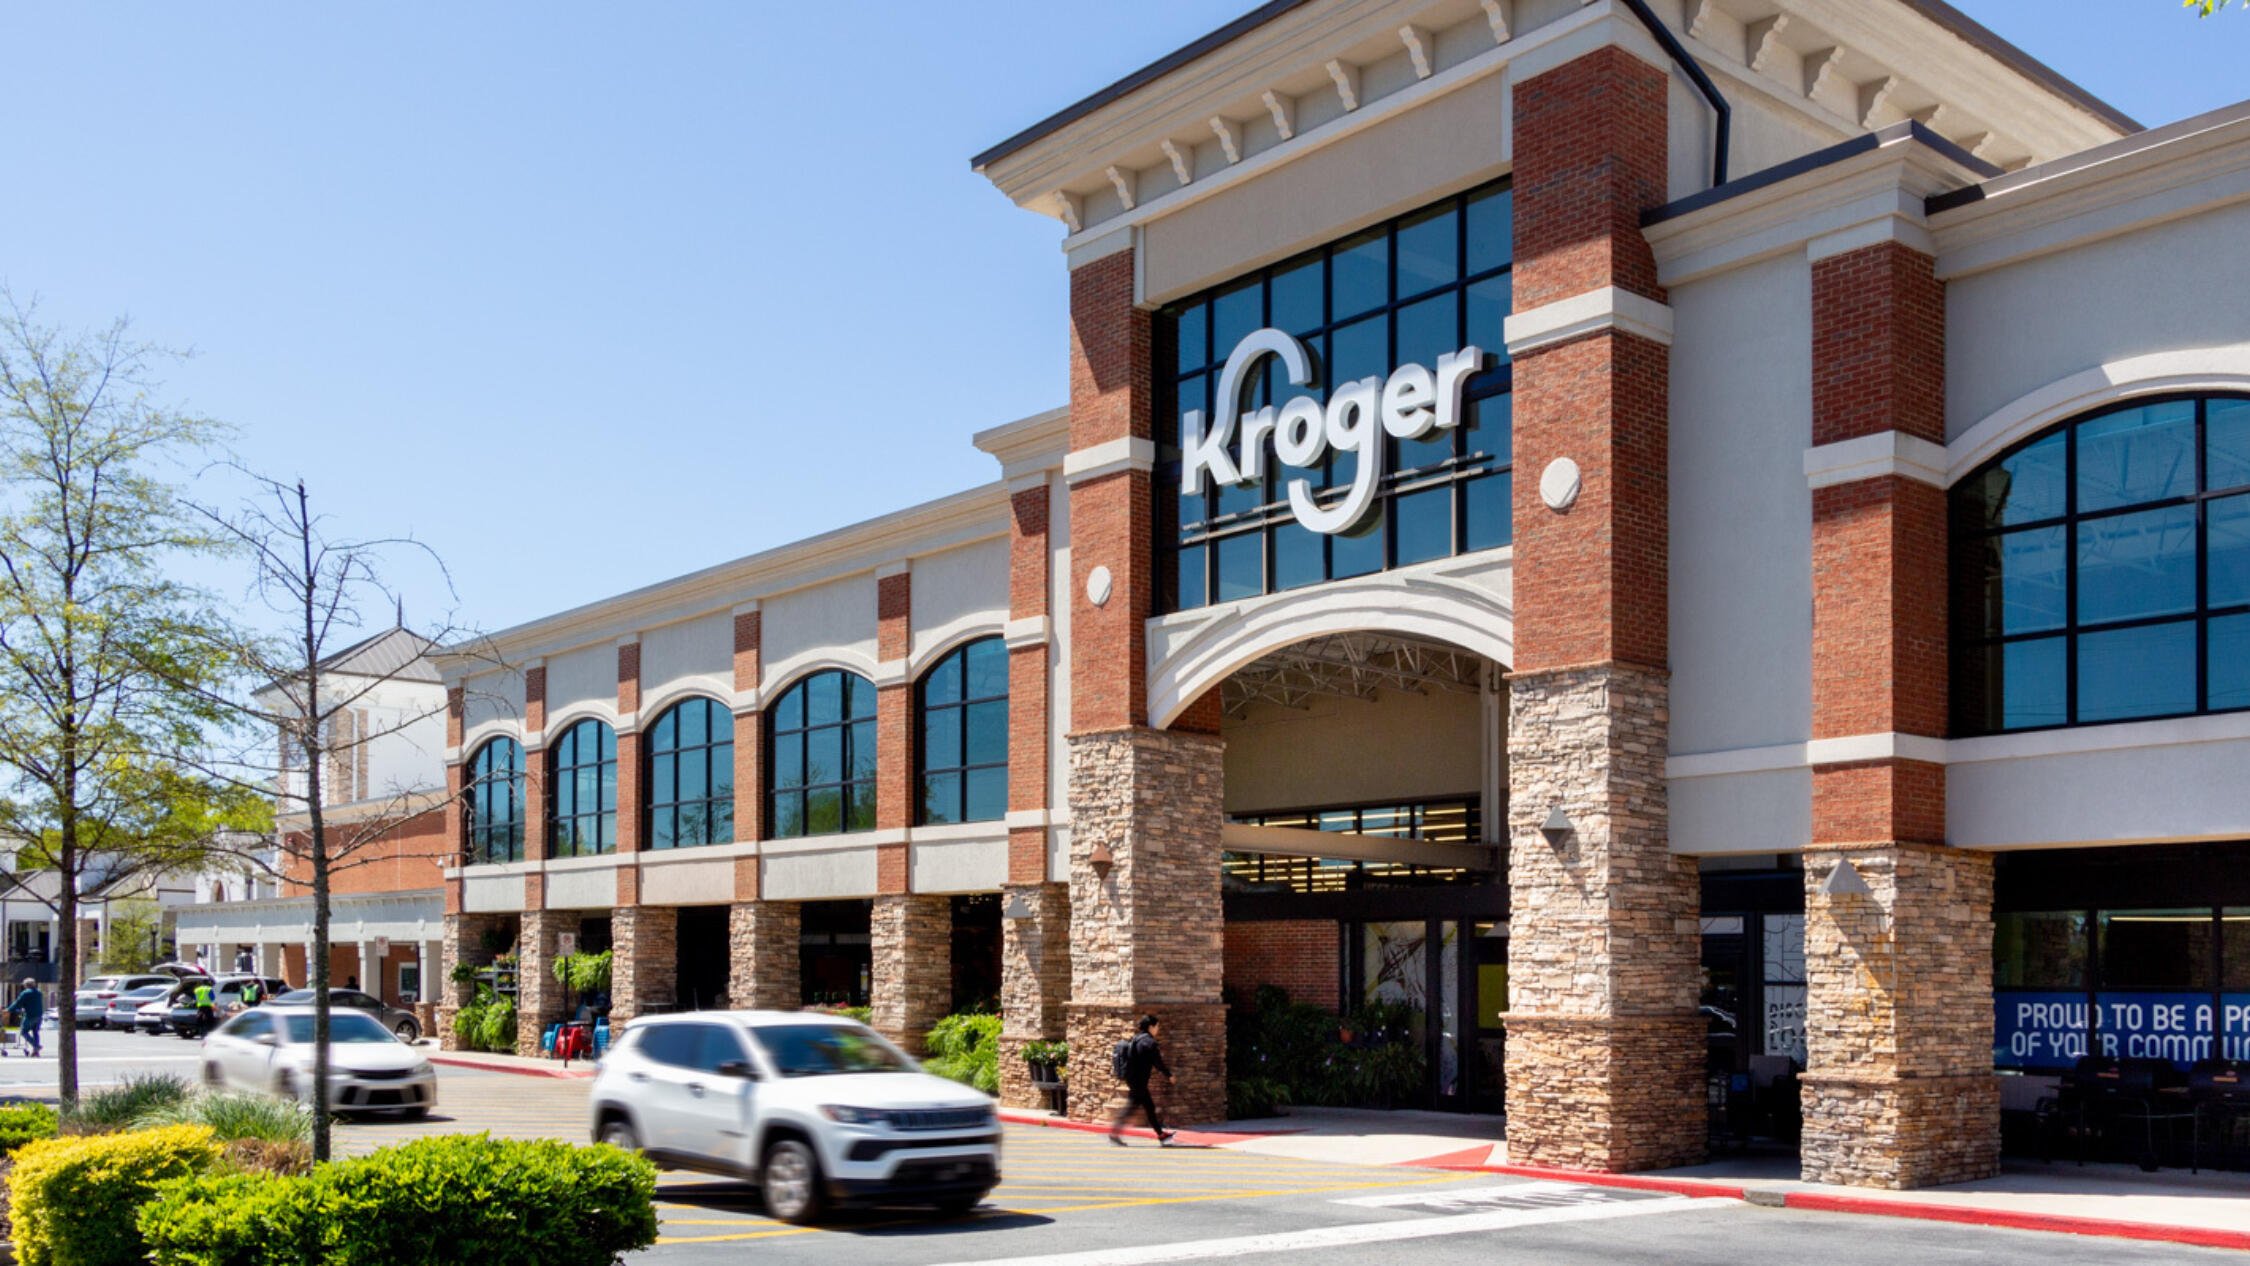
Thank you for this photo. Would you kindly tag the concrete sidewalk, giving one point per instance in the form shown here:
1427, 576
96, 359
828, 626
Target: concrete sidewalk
492, 1063
2172, 1205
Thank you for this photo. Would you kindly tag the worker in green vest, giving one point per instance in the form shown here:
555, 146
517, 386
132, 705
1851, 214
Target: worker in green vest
206, 1016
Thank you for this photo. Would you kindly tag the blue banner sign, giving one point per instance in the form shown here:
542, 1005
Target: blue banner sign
2047, 1029
2040, 1029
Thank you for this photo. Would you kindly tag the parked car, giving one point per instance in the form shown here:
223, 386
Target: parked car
369, 1070
398, 1020
155, 1016
226, 999
95, 995
814, 1109
124, 1007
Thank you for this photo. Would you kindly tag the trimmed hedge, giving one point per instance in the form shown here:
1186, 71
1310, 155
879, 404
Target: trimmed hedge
22, 1123
431, 1202
74, 1198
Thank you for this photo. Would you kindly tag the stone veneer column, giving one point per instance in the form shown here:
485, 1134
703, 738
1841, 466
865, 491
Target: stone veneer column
463, 942
911, 937
1146, 805
763, 969
644, 960
1605, 1049
1034, 982
1900, 1090
539, 998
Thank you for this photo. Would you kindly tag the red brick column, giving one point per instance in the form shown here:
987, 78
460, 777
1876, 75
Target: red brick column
749, 733
763, 966
1035, 918
628, 758
894, 723
455, 852
1900, 1092
535, 770
1146, 805
1605, 1050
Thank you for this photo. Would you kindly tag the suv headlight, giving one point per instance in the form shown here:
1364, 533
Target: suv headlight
853, 1116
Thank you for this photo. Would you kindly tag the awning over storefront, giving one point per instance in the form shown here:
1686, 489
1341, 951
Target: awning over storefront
353, 918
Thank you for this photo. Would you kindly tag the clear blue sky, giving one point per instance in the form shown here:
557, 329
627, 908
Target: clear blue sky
561, 288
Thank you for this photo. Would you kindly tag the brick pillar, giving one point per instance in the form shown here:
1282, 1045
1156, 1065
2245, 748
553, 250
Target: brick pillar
1145, 926
894, 724
539, 999
912, 941
749, 735
629, 748
535, 764
644, 961
1900, 1090
1034, 981
1605, 1049
763, 972
455, 849
1029, 556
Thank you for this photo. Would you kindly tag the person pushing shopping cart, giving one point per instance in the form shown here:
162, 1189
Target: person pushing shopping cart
31, 1007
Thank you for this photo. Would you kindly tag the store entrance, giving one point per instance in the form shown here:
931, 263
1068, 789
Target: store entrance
1440, 985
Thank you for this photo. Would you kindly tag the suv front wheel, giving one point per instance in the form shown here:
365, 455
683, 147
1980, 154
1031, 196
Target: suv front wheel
791, 1180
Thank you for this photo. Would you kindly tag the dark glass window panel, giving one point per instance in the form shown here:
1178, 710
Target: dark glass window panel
2228, 657
985, 795
1357, 351
1238, 498
1190, 562
1298, 559
1491, 230
859, 696
2226, 444
663, 776
1360, 550
2139, 454
1488, 304
941, 799
1490, 427
1429, 251
722, 820
2026, 581
1487, 522
1294, 296
2234, 961
2030, 683
1428, 329
1434, 449
1359, 275
1192, 327
722, 772
693, 774
941, 738
824, 755
1234, 313
2156, 949
987, 669
789, 714
943, 684
788, 815
863, 749
1425, 525
824, 699
2147, 671
2042, 950
2227, 565
2025, 487
2135, 565
824, 810
1241, 566
862, 807
789, 760
987, 728
1191, 400
663, 830
693, 723
665, 732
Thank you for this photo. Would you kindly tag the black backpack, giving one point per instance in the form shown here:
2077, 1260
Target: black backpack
1121, 1059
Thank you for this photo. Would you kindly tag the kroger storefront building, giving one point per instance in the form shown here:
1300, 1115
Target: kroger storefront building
1656, 542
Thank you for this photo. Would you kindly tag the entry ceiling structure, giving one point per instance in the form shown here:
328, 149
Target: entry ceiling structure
1352, 666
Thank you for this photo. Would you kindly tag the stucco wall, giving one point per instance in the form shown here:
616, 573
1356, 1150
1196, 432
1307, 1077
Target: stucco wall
830, 621
955, 592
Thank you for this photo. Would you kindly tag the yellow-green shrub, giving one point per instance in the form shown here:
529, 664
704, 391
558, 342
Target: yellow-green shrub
77, 1199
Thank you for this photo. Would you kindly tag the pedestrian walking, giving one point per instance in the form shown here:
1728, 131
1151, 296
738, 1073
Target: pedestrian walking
31, 1007
1134, 1060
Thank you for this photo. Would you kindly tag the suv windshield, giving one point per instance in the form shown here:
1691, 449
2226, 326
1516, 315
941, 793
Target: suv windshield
816, 1050
343, 1026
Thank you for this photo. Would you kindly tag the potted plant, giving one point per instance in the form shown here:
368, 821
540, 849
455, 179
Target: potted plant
1050, 1070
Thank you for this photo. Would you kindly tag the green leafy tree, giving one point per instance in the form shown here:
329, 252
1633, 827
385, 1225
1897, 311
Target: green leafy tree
136, 925
104, 669
2205, 8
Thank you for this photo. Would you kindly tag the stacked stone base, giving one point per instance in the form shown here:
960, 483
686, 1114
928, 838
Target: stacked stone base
1016, 1090
464, 943
1195, 1046
764, 972
912, 978
539, 996
1901, 1132
1606, 1093
644, 961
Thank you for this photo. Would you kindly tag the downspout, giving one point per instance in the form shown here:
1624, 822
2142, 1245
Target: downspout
1686, 62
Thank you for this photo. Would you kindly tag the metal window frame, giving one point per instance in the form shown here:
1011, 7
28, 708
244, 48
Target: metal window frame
484, 832
924, 709
603, 821
708, 751
803, 790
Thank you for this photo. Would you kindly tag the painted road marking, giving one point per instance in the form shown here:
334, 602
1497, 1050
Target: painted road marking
1384, 1232
1528, 1194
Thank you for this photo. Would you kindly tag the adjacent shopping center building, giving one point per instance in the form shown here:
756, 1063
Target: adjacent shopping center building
1706, 532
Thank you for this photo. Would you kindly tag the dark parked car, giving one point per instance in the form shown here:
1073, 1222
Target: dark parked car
226, 1000
398, 1020
95, 995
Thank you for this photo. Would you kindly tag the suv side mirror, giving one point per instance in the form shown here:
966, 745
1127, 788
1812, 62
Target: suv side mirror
737, 1068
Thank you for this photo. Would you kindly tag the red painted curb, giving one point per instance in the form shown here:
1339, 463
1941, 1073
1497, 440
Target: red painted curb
455, 1061
2200, 1237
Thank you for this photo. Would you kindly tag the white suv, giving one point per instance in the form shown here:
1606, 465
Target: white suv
813, 1108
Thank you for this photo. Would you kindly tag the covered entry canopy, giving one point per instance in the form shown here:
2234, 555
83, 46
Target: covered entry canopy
353, 917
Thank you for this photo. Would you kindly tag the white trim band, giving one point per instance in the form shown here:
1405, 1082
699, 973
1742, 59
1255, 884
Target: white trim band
1608, 308
1876, 456
1108, 458
1028, 631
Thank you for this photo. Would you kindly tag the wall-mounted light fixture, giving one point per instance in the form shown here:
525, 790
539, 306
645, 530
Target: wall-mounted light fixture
1101, 859
1015, 907
1845, 881
1557, 827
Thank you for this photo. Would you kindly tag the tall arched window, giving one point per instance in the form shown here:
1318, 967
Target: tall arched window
495, 802
582, 794
691, 775
2101, 571
964, 749
820, 763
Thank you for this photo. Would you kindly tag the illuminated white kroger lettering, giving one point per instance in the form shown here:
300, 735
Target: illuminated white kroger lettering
1409, 405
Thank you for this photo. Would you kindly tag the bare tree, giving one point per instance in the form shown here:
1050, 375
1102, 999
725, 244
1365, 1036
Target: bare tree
320, 673
105, 669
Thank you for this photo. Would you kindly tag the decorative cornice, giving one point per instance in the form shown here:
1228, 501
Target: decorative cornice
1876, 456
1109, 458
1608, 308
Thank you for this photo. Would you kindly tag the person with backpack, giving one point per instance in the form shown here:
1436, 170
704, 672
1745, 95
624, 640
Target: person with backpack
1133, 1060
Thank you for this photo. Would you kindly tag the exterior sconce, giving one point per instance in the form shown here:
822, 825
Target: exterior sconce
1101, 859
1557, 827
1845, 881
1015, 907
